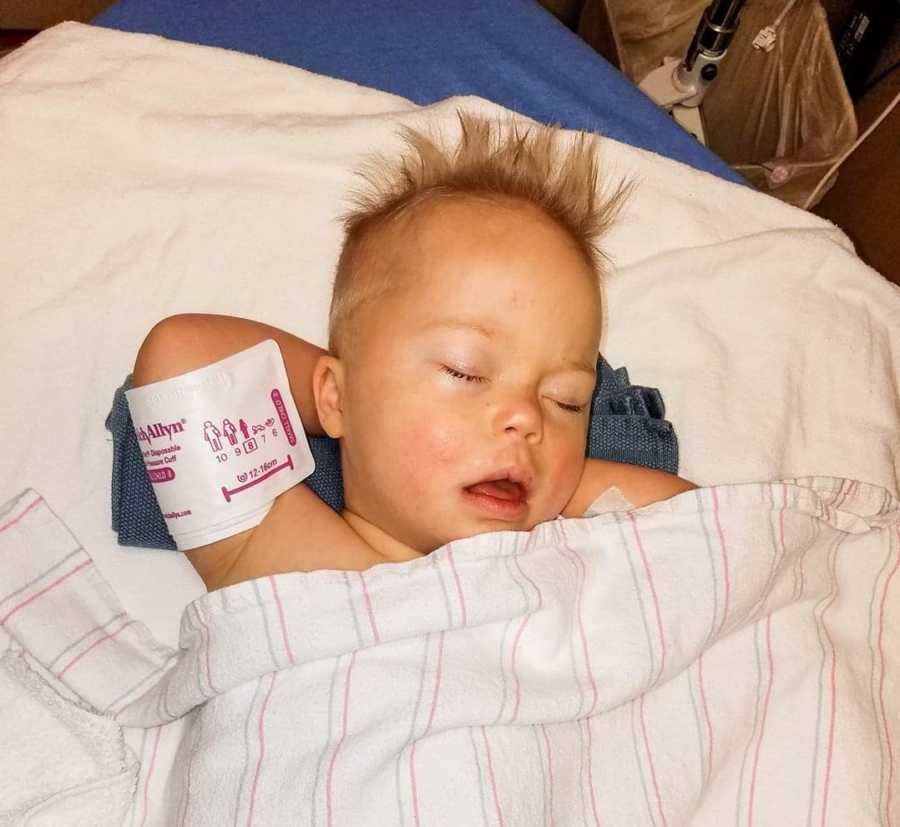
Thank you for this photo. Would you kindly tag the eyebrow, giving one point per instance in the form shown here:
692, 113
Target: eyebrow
462, 324
582, 367
487, 333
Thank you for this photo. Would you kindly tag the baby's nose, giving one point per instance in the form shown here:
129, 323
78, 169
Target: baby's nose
521, 416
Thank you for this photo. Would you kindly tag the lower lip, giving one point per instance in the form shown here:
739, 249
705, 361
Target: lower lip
501, 509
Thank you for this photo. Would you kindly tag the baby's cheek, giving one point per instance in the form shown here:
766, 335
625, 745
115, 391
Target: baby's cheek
567, 471
430, 451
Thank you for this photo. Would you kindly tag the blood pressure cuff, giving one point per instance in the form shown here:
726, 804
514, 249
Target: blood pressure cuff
220, 443
627, 424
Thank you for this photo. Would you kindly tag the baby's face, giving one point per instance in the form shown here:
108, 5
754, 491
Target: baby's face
466, 401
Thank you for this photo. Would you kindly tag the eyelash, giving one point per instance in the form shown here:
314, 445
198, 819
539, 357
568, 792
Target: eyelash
467, 377
458, 374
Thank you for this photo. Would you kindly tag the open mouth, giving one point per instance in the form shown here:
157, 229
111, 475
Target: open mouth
501, 489
500, 498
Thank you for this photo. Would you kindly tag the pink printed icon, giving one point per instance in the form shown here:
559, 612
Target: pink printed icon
161, 474
229, 430
213, 436
244, 429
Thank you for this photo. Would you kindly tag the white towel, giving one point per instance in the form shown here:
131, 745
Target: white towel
60, 764
731, 654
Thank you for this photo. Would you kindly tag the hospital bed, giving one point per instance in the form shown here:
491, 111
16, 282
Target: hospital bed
512, 52
156, 178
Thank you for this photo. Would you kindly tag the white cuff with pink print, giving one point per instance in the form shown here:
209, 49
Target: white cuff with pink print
220, 443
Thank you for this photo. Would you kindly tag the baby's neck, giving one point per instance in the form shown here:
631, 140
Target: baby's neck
390, 548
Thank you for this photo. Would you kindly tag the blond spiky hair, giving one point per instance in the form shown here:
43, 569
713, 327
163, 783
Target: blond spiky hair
493, 158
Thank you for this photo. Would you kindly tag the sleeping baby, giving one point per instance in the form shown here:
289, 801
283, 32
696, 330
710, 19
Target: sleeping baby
463, 335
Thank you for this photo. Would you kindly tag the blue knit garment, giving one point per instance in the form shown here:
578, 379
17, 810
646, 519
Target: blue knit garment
627, 425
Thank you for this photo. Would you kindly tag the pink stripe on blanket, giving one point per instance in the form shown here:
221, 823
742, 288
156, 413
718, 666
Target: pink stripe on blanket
577, 563
518, 637
656, 605
372, 625
512, 667
459, 590
490, 764
13, 521
205, 644
344, 725
284, 634
656, 790
262, 747
93, 646
44, 591
150, 774
595, 695
434, 703
762, 726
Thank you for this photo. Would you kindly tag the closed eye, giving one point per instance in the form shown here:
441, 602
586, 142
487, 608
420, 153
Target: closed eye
468, 377
465, 377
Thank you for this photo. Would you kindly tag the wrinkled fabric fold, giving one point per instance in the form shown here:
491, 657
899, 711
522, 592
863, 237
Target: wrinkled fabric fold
719, 649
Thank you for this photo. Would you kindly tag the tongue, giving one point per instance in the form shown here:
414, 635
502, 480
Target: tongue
501, 489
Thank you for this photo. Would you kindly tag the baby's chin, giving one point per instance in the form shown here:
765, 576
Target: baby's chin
474, 528
419, 534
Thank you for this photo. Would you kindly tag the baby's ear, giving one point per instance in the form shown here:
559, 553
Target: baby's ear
328, 389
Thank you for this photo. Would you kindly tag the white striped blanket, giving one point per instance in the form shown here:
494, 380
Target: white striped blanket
730, 656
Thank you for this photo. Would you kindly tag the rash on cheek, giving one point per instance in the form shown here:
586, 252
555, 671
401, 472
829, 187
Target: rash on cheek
429, 453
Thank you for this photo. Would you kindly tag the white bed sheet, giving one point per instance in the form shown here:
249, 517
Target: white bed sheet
144, 177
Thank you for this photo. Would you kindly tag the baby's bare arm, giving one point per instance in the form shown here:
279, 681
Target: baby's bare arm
640, 486
300, 532
188, 341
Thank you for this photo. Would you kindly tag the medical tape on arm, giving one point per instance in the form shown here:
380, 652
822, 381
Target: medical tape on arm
220, 443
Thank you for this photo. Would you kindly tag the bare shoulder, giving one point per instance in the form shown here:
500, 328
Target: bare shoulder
300, 533
639, 485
